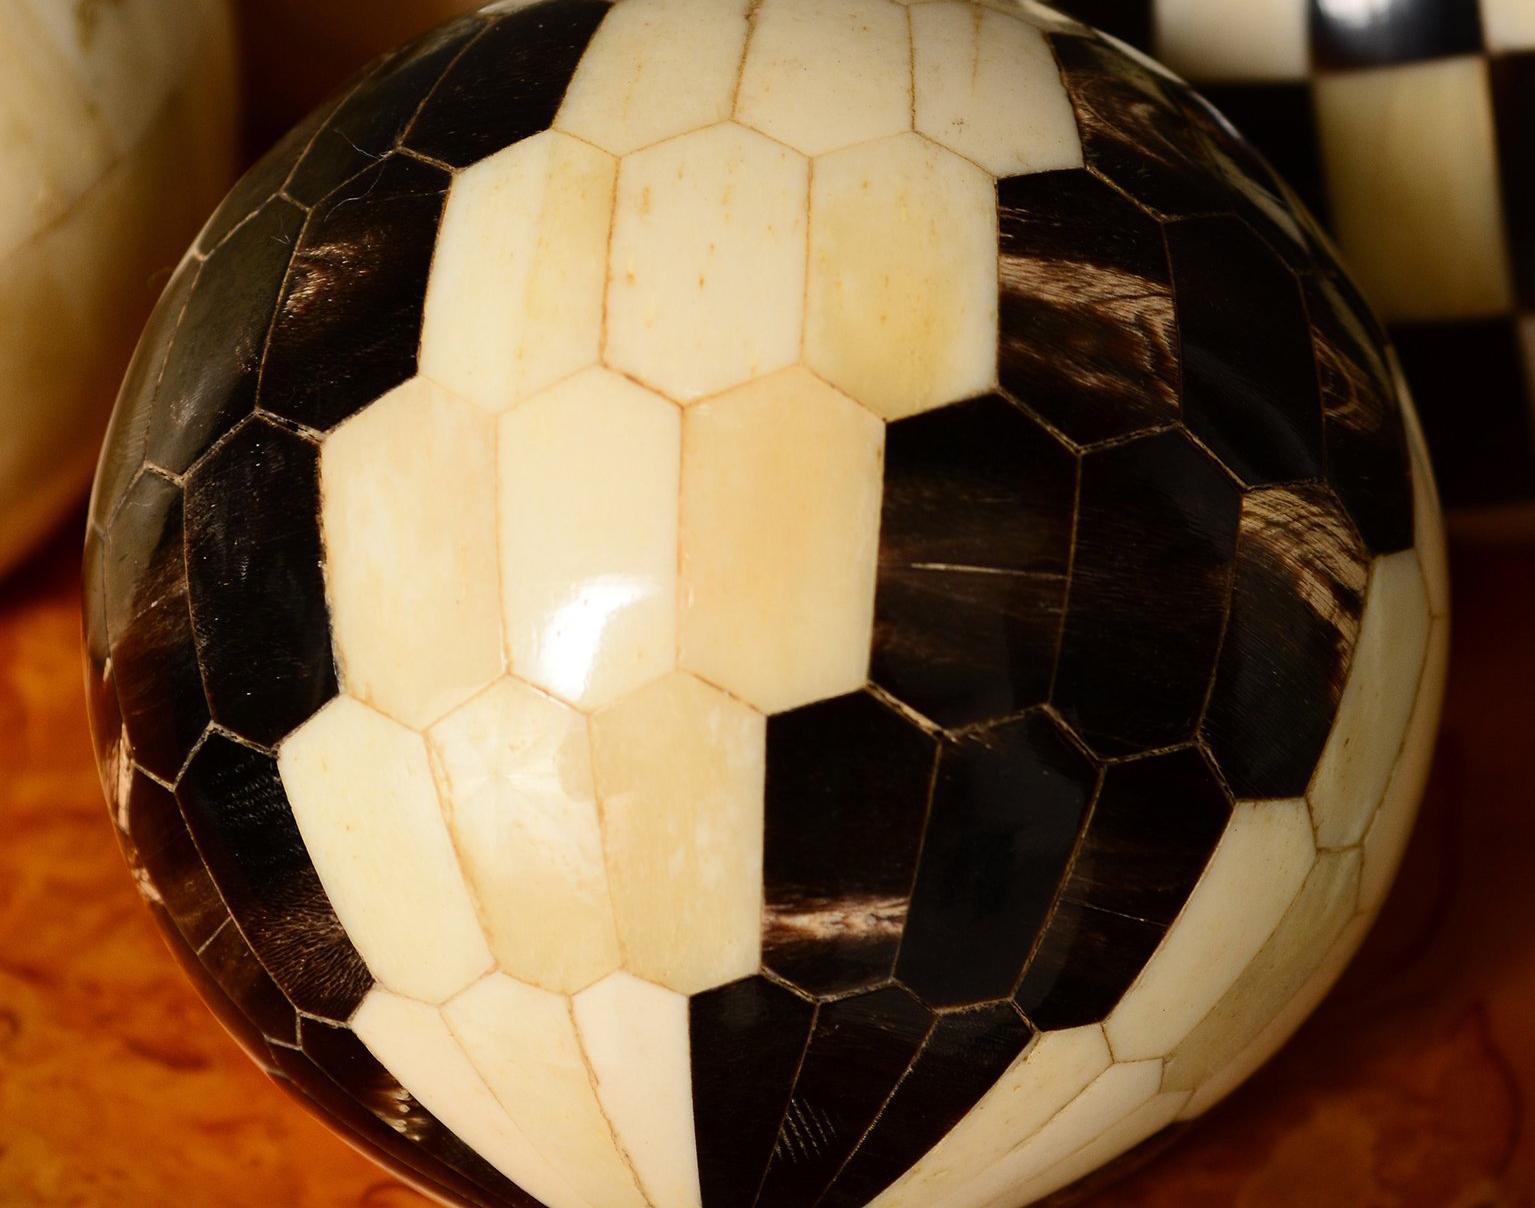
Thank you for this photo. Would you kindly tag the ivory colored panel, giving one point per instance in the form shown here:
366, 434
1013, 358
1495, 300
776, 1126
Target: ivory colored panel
636, 1037
1218, 41
1273, 1038
1386, 840
706, 284
902, 298
523, 1042
679, 777
781, 490
363, 798
1251, 880
1412, 172
1048, 1076
1351, 777
820, 77
655, 68
1113, 1096
514, 302
987, 87
1280, 970
1151, 1117
413, 1043
588, 498
408, 509
516, 774
1508, 24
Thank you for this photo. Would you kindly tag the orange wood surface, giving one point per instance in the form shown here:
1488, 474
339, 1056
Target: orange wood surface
1406, 1089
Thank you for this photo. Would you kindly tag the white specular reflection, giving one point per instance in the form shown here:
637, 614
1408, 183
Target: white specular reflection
1359, 13
573, 636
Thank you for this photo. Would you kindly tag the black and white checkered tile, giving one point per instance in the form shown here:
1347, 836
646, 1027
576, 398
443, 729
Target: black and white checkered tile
1408, 126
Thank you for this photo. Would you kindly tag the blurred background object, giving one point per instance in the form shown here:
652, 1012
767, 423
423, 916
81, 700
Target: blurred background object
1408, 127
117, 132
297, 52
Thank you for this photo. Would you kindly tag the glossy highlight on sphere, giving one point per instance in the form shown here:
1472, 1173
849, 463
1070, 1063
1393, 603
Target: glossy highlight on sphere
815, 604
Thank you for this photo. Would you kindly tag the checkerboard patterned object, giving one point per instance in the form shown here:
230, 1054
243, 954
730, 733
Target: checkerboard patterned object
1409, 127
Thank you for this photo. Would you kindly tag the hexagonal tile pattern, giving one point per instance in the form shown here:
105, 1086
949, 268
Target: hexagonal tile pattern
706, 281
654, 69
901, 309
509, 315
588, 515
821, 84
780, 529
679, 769
408, 511
516, 782
366, 805
987, 87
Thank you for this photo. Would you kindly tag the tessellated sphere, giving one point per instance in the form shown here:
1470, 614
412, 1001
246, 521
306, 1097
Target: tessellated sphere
815, 603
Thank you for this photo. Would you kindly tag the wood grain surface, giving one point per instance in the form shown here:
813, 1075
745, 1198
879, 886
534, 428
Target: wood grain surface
1407, 1088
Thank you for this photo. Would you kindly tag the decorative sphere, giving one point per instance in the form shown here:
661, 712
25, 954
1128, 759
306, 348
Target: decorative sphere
1349, 100
843, 602
116, 139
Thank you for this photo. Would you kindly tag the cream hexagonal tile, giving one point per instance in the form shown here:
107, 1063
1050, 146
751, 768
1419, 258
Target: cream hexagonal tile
523, 1042
516, 778
412, 1041
514, 302
588, 503
707, 276
1373, 713
679, 769
654, 69
408, 513
1274, 976
781, 489
820, 77
1054, 1070
988, 87
365, 803
635, 1035
1253, 876
901, 309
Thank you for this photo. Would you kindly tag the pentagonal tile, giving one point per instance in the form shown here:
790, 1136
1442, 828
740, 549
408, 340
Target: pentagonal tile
707, 273
516, 782
515, 298
364, 800
819, 79
679, 769
987, 87
649, 1103
588, 506
655, 68
779, 537
408, 508
901, 308
1377, 702
523, 1041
